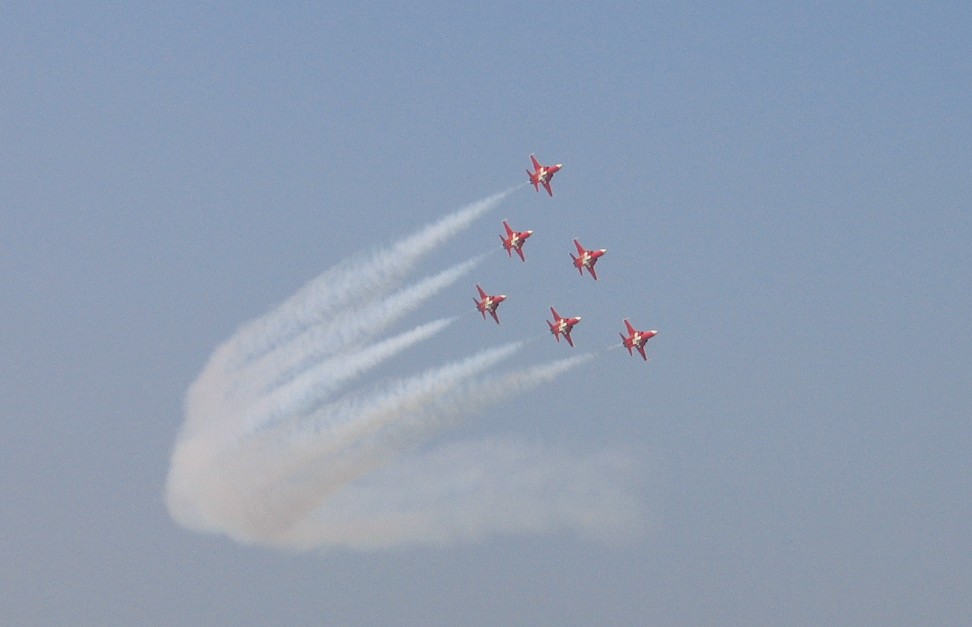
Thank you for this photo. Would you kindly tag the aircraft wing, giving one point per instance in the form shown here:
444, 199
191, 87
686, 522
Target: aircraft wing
624, 342
546, 186
506, 245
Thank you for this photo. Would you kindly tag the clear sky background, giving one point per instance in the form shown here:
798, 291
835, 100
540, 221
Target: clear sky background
784, 192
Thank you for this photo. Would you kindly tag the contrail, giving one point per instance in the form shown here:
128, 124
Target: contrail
352, 416
475, 395
298, 396
285, 444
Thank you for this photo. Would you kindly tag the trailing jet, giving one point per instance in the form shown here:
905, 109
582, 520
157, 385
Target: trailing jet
636, 339
514, 240
488, 303
542, 174
586, 259
562, 326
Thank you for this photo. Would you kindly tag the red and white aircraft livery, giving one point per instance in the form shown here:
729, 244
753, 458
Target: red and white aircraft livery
562, 326
636, 339
514, 240
586, 259
542, 174
488, 303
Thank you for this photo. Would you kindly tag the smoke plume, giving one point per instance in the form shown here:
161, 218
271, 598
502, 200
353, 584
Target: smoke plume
286, 443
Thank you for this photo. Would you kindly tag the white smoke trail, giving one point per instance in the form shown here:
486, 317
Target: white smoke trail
226, 383
353, 281
282, 446
352, 327
465, 491
298, 396
473, 395
264, 484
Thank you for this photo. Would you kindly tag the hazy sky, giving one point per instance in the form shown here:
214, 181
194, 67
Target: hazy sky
784, 193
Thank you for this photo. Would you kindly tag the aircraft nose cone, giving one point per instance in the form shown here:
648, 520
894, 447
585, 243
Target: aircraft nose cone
529, 232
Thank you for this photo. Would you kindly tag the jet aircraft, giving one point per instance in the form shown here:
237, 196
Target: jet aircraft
562, 326
488, 303
586, 259
636, 339
514, 240
542, 174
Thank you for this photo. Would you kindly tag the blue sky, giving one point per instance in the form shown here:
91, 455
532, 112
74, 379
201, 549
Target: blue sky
784, 193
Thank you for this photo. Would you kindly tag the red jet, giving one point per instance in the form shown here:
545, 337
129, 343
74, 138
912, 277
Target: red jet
514, 240
637, 339
562, 326
542, 174
586, 259
488, 303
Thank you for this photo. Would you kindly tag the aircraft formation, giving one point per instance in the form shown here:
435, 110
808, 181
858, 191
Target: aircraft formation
585, 259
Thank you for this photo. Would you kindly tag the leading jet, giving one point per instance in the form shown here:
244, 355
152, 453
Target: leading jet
542, 174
